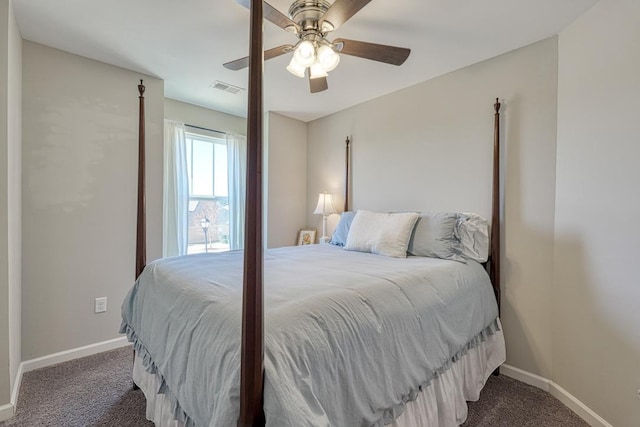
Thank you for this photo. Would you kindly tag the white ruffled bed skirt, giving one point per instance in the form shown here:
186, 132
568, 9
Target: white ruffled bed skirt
442, 404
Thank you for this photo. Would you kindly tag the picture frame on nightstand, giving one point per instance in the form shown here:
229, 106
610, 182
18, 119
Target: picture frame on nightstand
306, 236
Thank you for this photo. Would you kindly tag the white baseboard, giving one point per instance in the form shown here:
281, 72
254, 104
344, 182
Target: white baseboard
525, 377
567, 399
16, 386
583, 411
570, 401
6, 412
75, 353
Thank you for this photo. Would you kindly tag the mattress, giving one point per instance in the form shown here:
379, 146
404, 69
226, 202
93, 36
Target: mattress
350, 338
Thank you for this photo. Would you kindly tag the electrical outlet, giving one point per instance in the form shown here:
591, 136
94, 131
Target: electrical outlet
100, 305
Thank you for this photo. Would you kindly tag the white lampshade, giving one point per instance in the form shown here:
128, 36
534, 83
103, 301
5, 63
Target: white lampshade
328, 58
325, 205
316, 71
305, 53
295, 68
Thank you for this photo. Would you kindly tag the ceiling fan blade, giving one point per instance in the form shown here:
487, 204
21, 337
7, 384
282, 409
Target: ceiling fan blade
272, 14
238, 64
241, 63
342, 10
318, 85
376, 52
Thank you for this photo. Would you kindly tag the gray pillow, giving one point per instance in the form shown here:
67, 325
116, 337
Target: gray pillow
434, 235
341, 232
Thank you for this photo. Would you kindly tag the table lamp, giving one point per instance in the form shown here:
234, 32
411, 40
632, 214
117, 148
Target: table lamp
324, 208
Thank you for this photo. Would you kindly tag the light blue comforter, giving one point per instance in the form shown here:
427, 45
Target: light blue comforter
349, 337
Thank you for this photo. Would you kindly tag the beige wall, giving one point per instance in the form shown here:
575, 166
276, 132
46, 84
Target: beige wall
80, 139
285, 157
286, 195
15, 196
596, 333
569, 294
10, 205
5, 385
204, 117
429, 148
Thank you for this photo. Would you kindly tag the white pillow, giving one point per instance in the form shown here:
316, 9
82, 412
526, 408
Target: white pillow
381, 233
473, 232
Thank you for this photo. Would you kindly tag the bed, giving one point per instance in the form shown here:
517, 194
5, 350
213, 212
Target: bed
350, 337
339, 337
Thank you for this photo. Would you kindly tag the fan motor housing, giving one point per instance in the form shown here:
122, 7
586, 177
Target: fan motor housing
307, 13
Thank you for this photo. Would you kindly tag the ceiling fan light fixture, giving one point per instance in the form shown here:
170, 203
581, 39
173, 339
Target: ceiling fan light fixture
328, 57
305, 53
311, 21
326, 27
295, 68
317, 70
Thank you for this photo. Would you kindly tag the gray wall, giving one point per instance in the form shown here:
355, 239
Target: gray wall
10, 205
596, 333
429, 148
80, 139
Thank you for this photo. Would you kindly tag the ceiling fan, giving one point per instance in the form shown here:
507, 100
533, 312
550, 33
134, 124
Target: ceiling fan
311, 21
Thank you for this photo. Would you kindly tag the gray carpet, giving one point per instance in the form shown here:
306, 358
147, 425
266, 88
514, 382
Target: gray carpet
505, 402
96, 391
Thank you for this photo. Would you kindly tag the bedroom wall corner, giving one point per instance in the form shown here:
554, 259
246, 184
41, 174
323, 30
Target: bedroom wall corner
286, 186
80, 139
204, 117
326, 165
596, 333
429, 148
10, 206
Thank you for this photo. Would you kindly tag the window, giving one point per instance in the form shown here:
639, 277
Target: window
208, 194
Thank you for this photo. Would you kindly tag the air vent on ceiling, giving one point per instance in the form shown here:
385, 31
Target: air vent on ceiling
226, 87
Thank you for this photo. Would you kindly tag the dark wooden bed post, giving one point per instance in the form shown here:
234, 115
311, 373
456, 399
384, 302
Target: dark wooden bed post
494, 256
141, 233
252, 350
346, 180
141, 227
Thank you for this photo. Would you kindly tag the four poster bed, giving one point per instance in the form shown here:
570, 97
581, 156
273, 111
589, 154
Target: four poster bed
349, 338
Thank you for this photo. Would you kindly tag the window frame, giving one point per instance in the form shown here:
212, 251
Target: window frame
190, 136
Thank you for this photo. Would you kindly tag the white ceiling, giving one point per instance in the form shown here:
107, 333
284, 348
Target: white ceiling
186, 42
